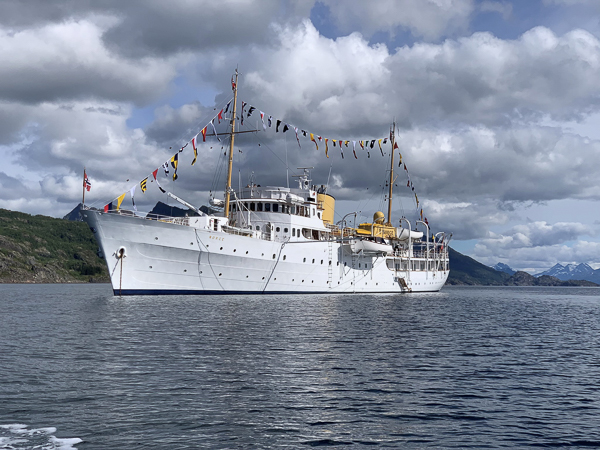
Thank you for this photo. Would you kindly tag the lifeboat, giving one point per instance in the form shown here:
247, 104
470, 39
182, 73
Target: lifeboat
370, 247
404, 233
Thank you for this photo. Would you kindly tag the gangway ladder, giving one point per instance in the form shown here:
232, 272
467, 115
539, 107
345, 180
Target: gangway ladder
330, 265
403, 285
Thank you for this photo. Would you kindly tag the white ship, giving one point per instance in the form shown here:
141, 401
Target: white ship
268, 240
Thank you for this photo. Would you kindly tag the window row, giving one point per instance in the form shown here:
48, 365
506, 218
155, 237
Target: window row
298, 210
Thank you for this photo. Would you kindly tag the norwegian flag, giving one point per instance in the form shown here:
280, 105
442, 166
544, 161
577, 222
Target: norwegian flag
86, 182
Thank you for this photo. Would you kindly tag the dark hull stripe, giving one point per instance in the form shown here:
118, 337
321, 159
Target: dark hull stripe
176, 292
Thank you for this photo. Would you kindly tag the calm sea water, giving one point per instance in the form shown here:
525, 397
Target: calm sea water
463, 368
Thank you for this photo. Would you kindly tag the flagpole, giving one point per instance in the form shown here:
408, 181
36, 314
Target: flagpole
83, 199
230, 165
392, 137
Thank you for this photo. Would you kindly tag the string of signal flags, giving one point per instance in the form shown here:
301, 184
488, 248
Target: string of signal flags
267, 122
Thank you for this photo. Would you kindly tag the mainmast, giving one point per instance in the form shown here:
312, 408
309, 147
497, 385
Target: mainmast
392, 138
230, 165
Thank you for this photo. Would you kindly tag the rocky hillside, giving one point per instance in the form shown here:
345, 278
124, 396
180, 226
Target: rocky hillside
40, 249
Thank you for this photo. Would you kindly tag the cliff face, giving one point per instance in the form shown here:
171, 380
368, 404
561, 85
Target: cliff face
39, 249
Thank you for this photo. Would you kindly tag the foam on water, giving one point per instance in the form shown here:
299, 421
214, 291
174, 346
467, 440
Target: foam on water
17, 436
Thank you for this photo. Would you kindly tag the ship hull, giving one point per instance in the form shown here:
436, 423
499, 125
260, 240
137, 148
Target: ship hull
146, 257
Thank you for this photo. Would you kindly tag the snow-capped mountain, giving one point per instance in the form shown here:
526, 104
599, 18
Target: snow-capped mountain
501, 267
572, 272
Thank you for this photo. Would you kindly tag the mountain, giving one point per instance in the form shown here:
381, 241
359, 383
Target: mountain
501, 267
465, 270
573, 272
40, 249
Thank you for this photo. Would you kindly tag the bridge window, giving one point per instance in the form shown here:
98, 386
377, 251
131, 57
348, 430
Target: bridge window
267, 207
259, 206
275, 207
252, 206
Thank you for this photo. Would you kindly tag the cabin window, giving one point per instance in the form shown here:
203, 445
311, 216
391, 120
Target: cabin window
285, 230
314, 211
293, 209
233, 208
259, 207
267, 207
257, 227
319, 215
304, 260
294, 232
246, 206
275, 207
252, 206
313, 260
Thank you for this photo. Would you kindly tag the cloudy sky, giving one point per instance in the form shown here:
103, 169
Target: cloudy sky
497, 104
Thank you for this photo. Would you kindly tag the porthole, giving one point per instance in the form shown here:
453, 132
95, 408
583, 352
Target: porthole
220, 274
221, 248
329, 262
313, 260
304, 260
278, 229
234, 250
246, 252
156, 238
263, 278
284, 257
285, 230
273, 255
321, 261
150, 267
338, 263
184, 270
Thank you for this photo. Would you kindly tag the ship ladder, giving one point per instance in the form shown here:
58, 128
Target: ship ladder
330, 265
403, 284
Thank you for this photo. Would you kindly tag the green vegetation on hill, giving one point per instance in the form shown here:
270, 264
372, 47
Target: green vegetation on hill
40, 249
465, 270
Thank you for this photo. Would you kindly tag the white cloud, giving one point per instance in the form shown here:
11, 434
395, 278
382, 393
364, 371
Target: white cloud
536, 246
429, 19
68, 60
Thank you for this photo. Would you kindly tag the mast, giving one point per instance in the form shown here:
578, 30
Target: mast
392, 138
83, 199
230, 165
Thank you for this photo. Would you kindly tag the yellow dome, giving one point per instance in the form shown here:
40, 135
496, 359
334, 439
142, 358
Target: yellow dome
378, 217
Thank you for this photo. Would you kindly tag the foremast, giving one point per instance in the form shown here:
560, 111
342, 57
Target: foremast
230, 164
393, 142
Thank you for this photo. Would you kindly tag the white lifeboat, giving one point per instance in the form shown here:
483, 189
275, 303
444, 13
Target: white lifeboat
404, 233
369, 247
